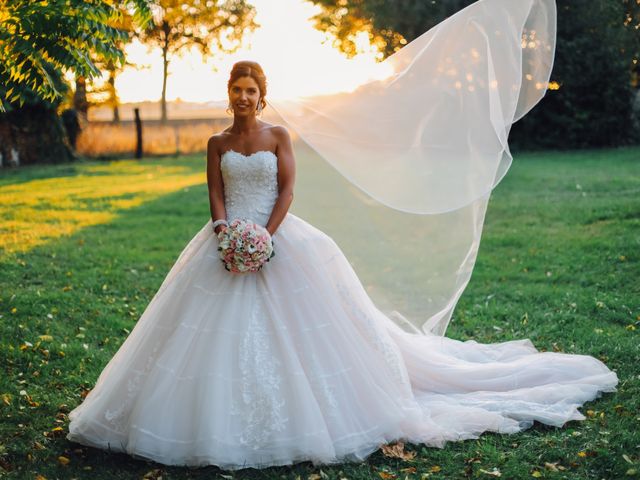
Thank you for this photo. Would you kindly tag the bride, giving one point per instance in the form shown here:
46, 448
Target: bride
295, 362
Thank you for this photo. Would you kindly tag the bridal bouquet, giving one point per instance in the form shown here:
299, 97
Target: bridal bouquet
245, 246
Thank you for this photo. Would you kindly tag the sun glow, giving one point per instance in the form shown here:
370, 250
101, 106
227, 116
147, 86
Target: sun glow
296, 57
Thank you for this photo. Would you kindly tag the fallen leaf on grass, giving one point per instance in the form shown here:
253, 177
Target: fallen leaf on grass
494, 473
386, 475
435, 469
587, 453
554, 467
5, 465
63, 460
55, 432
408, 470
397, 451
155, 474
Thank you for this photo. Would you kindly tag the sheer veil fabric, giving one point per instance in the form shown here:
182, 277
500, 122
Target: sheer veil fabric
426, 144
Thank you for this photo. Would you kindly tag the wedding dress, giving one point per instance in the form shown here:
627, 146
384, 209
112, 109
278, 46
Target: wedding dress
296, 363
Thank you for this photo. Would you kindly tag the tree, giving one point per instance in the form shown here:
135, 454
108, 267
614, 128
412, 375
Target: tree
107, 94
593, 73
179, 25
632, 23
595, 66
389, 25
40, 40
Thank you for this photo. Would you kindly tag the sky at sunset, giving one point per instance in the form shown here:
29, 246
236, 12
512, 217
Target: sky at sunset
287, 45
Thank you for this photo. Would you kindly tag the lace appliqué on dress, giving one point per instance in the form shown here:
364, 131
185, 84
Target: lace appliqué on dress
250, 185
117, 418
263, 409
323, 387
378, 337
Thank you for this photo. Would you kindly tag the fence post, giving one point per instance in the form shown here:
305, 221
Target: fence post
136, 112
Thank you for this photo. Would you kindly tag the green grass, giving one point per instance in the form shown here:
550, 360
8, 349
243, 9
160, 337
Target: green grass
558, 263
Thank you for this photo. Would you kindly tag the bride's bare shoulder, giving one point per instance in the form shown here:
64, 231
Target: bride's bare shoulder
216, 141
279, 132
270, 127
282, 139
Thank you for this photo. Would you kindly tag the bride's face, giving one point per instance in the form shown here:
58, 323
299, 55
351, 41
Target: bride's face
244, 95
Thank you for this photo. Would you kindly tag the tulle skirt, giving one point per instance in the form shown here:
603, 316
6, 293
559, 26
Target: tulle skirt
295, 363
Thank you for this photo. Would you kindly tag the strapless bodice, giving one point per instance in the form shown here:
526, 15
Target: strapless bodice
250, 184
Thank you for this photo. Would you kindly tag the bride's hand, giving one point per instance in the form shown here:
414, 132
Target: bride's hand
221, 228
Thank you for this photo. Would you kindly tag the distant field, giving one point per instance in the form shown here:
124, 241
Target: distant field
84, 247
176, 137
187, 130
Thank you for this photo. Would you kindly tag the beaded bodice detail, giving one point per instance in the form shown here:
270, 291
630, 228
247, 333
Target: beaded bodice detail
250, 184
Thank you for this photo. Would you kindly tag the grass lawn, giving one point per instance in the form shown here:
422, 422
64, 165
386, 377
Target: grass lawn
84, 246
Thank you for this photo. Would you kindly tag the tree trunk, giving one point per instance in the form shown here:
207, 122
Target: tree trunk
114, 101
80, 102
165, 71
33, 134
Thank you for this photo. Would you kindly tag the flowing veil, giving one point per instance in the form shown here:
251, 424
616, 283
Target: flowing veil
418, 152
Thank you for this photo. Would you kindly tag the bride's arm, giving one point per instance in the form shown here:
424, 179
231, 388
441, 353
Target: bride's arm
214, 181
286, 179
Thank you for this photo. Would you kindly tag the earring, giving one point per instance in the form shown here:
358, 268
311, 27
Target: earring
259, 107
229, 108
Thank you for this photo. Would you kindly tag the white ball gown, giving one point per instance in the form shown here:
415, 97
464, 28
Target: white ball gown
295, 363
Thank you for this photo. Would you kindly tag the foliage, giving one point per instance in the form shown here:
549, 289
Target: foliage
178, 25
593, 106
558, 264
107, 95
389, 25
32, 134
597, 56
632, 23
40, 40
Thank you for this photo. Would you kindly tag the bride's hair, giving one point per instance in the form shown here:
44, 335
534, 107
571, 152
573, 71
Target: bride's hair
246, 68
